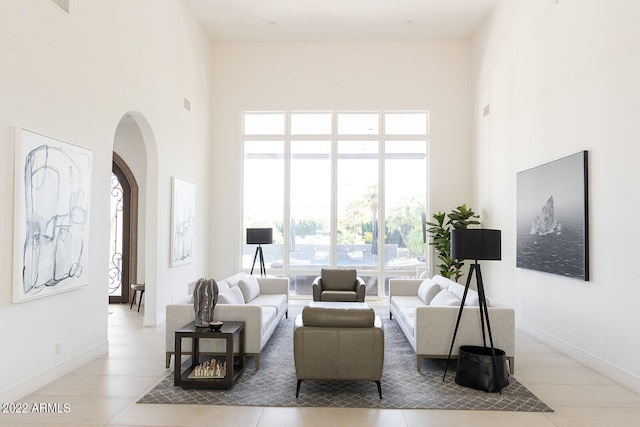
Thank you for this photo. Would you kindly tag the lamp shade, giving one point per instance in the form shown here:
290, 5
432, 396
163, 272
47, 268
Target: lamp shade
259, 236
476, 243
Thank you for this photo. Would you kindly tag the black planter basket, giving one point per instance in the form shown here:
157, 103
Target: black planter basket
475, 368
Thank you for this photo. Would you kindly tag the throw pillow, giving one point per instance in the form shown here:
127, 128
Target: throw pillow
473, 299
427, 290
445, 299
235, 279
472, 296
232, 296
222, 286
249, 287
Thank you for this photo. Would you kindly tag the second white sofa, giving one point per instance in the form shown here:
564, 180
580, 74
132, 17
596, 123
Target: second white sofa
427, 310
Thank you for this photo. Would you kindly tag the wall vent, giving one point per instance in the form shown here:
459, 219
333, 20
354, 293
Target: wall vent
63, 4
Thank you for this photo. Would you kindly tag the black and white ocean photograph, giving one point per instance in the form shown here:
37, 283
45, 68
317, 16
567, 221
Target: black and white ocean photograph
552, 218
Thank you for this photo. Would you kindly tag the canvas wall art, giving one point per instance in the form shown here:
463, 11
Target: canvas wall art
52, 189
183, 222
552, 217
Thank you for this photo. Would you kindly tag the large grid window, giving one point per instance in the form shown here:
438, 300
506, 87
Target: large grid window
339, 189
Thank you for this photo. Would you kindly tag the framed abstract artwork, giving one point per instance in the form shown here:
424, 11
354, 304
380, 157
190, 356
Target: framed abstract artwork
552, 217
183, 218
51, 216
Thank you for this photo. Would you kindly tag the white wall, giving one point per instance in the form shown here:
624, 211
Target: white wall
433, 76
73, 77
560, 79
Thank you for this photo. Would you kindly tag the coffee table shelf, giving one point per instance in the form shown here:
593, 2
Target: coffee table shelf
235, 363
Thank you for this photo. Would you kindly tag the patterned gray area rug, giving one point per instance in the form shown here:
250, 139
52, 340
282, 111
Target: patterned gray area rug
402, 386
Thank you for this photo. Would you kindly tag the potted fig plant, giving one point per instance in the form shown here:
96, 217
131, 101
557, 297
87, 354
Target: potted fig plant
440, 231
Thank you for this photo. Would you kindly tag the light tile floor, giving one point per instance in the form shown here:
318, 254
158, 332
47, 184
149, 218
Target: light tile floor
104, 393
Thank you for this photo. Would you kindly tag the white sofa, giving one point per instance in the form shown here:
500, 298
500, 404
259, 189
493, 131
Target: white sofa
260, 302
427, 310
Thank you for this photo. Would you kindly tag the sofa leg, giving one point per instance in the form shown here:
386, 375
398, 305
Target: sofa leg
298, 388
511, 363
168, 358
286, 314
257, 360
390, 315
379, 389
419, 362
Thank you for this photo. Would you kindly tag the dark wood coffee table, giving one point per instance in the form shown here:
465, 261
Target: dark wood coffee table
235, 364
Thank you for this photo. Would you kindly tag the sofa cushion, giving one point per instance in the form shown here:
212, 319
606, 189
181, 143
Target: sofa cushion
231, 296
400, 302
409, 317
267, 315
444, 299
249, 287
279, 301
338, 317
427, 290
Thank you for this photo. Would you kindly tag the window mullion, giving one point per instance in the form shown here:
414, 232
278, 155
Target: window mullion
334, 191
286, 221
381, 207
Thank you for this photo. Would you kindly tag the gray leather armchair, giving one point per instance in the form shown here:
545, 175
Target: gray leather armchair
338, 343
338, 285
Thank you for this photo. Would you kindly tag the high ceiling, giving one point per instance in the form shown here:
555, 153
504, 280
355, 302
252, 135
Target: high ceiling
340, 20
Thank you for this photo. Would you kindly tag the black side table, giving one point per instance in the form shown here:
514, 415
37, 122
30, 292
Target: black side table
235, 364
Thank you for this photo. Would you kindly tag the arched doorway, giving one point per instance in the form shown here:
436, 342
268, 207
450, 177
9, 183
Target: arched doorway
123, 253
134, 143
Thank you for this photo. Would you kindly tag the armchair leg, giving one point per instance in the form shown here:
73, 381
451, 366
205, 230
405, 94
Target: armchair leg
298, 388
379, 389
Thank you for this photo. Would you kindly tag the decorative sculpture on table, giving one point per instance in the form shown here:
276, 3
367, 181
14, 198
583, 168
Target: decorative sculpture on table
205, 297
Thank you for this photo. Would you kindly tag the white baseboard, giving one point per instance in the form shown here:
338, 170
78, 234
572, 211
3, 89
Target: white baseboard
39, 380
605, 368
153, 321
